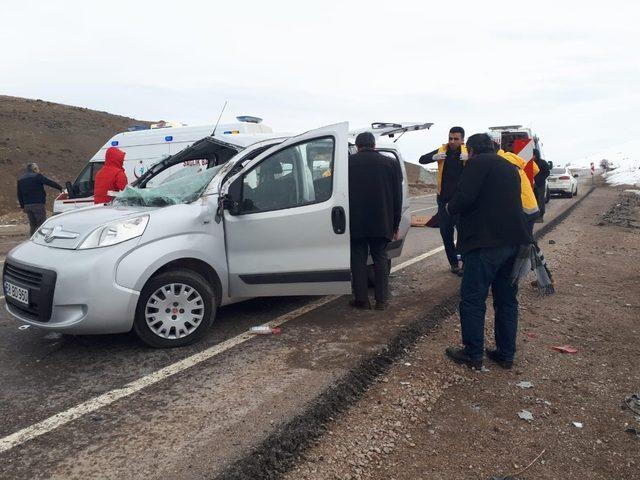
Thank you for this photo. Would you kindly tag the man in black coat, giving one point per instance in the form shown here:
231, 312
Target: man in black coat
540, 181
32, 197
375, 210
491, 229
451, 158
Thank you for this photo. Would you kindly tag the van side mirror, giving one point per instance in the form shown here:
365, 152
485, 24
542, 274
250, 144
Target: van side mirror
575, 175
550, 164
71, 193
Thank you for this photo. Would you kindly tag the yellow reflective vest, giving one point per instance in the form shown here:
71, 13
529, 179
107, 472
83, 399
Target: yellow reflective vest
443, 149
529, 203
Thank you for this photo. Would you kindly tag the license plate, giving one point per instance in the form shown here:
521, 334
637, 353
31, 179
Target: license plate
552, 179
17, 293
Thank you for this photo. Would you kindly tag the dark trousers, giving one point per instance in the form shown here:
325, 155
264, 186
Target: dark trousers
36, 214
360, 249
539, 191
448, 223
483, 269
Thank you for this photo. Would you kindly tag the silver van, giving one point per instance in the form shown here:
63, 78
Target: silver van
254, 217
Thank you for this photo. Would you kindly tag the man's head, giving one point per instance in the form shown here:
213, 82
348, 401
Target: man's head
480, 143
33, 168
365, 140
456, 138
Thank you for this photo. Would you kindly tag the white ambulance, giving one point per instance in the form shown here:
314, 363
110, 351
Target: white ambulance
521, 141
145, 148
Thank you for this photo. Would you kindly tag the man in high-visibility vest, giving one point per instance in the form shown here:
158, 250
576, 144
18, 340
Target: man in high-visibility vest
451, 158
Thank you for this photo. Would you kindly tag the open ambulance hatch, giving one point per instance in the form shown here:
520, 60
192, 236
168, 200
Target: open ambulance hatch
391, 130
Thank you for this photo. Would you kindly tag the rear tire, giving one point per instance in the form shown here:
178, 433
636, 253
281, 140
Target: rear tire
175, 308
575, 192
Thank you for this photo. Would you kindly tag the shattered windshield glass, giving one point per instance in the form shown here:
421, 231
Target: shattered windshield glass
182, 188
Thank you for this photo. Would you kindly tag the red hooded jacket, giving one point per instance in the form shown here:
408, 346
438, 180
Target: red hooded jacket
111, 176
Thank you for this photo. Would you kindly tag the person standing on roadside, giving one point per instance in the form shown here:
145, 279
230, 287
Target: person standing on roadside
375, 210
111, 177
492, 229
451, 158
32, 197
540, 182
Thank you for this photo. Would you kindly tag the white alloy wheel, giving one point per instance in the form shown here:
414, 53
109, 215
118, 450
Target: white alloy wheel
174, 311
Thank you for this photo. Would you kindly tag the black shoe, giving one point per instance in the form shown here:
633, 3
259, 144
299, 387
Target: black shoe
539, 220
495, 356
456, 270
382, 305
459, 356
360, 305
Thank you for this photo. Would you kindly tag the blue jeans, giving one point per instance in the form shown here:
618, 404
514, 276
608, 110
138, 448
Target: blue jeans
483, 269
448, 223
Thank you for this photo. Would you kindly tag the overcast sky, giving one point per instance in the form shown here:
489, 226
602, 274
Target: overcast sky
568, 69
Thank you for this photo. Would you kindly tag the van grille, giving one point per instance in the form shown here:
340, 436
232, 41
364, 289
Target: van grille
41, 285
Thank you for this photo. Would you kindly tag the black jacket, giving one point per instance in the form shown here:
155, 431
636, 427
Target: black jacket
489, 204
375, 195
31, 188
451, 171
544, 172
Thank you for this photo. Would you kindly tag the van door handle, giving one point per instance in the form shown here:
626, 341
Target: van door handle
338, 220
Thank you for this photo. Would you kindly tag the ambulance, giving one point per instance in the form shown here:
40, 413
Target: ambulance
144, 148
521, 141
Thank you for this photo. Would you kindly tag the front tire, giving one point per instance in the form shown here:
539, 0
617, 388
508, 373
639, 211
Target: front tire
175, 308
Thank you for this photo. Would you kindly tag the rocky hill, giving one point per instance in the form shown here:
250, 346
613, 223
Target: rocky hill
60, 138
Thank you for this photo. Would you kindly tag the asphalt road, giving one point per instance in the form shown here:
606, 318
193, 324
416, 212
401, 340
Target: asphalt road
195, 421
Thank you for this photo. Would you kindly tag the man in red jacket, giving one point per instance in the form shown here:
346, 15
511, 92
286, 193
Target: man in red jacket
111, 177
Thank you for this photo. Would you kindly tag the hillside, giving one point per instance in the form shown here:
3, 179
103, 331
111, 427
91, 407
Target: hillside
60, 138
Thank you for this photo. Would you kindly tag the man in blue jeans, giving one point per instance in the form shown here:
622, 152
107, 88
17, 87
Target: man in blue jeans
492, 227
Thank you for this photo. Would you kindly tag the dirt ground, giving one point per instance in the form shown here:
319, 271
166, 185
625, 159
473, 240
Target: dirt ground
431, 419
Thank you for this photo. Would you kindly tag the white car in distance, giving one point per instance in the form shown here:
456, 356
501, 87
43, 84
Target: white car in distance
563, 182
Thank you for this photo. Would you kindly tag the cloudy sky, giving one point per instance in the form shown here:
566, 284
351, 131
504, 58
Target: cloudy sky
568, 69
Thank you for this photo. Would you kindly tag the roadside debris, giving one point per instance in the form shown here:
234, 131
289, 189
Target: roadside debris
524, 384
577, 424
526, 415
23, 327
520, 472
265, 330
632, 402
565, 349
633, 431
552, 242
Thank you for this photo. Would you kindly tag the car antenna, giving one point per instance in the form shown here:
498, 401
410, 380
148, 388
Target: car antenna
219, 117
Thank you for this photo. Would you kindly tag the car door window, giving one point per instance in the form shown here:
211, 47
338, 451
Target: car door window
298, 175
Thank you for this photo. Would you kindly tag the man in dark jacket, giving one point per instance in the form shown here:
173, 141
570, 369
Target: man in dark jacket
451, 158
111, 177
492, 228
540, 181
32, 197
375, 209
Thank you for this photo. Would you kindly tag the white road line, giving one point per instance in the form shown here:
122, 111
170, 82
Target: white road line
423, 209
96, 403
423, 196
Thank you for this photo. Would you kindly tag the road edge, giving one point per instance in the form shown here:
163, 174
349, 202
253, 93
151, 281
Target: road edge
279, 451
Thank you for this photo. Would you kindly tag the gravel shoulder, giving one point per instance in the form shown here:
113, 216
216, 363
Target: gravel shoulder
429, 418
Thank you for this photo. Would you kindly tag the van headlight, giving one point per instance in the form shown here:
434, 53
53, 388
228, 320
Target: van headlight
116, 232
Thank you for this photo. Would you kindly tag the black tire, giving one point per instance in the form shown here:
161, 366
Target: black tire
547, 196
188, 284
371, 274
575, 194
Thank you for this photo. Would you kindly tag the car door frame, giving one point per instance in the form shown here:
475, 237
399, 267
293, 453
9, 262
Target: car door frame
328, 271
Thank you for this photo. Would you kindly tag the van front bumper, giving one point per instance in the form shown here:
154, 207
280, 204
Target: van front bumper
70, 291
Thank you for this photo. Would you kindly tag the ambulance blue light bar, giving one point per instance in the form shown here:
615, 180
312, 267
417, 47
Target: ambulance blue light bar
115, 143
168, 138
